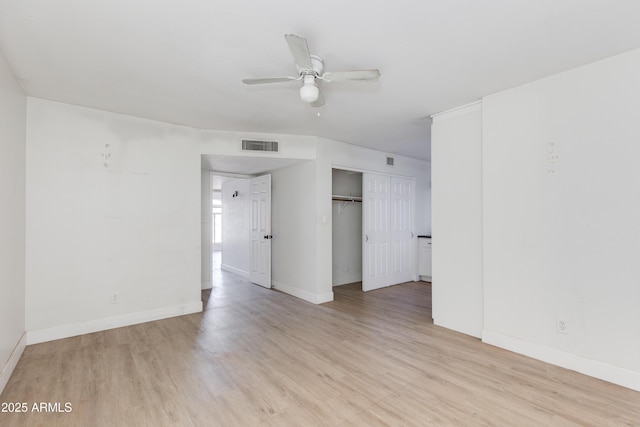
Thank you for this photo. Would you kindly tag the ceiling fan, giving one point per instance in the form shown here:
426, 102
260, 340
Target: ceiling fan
311, 68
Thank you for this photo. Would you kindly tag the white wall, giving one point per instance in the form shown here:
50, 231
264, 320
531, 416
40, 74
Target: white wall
236, 226
562, 218
112, 206
206, 266
456, 153
293, 219
346, 228
230, 144
13, 107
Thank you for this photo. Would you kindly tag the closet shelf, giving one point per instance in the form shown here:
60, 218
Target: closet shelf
346, 198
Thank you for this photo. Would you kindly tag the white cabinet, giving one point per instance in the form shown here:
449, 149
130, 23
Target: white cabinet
424, 258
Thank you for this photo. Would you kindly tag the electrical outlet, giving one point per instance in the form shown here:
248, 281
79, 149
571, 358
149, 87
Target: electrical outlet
115, 298
562, 327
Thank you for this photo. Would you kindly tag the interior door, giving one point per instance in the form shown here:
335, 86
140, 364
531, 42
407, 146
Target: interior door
403, 239
376, 233
260, 255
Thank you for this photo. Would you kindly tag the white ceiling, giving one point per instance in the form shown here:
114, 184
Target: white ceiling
182, 61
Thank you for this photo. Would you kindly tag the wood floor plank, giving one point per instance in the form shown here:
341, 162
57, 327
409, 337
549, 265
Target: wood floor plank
260, 357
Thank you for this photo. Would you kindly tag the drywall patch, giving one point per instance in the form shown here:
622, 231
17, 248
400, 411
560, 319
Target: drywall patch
106, 156
552, 158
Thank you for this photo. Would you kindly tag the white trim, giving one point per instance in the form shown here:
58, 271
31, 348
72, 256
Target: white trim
241, 273
593, 368
227, 174
72, 330
457, 111
206, 285
326, 297
11, 364
304, 295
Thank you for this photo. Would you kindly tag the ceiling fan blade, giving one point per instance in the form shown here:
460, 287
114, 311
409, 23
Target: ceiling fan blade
268, 80
351, 76
318, 102
300, 51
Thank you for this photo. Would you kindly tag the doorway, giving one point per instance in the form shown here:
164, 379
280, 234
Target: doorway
240, 226
346, 227
374, 243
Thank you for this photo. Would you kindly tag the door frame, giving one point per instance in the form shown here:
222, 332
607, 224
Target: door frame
414, 251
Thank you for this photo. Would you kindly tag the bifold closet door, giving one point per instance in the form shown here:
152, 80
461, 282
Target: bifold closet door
375, 229
402, 226
388, 245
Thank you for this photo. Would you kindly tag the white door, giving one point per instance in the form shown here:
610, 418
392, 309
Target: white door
376, 235
403, 240
260, 255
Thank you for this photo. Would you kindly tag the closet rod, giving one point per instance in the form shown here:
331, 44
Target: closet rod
347, 198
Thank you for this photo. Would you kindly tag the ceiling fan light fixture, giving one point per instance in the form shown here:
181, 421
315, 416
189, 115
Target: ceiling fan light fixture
311, 68
309, 91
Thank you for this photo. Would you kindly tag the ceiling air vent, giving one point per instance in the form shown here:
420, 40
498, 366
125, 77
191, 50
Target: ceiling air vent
389, 161
251, 145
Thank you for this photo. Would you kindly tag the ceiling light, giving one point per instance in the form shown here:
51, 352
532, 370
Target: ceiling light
309, 91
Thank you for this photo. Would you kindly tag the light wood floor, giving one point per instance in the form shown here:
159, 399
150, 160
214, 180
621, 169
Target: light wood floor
257, 357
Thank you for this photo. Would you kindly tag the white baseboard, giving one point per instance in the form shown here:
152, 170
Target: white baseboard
593, 368
463, 327
322, 298
11, 364
66, 331
206, 285
241, 273
302, 294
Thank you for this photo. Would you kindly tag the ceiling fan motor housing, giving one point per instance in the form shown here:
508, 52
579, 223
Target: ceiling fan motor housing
317, 65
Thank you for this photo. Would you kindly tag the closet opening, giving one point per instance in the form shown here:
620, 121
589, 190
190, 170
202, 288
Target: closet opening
347, 228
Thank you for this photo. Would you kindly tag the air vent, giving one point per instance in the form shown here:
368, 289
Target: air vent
251, 145
389, 161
